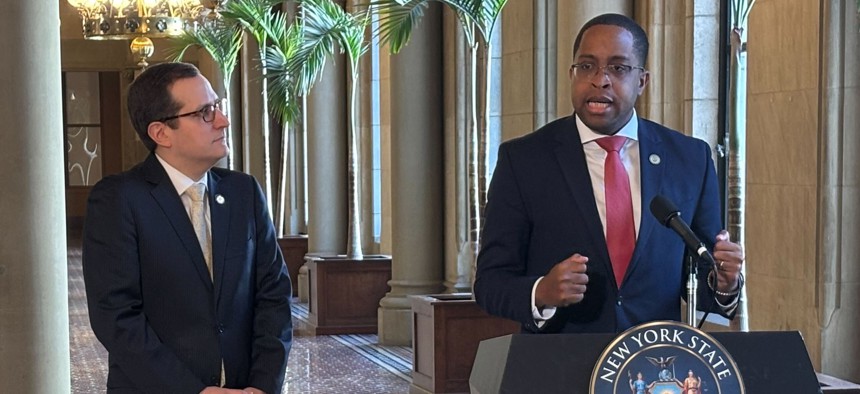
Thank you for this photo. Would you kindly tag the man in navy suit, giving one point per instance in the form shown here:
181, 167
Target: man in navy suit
185, 306
548, 257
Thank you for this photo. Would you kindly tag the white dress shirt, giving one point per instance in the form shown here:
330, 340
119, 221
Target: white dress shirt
181, 182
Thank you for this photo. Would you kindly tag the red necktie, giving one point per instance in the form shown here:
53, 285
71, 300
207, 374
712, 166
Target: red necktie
620, 230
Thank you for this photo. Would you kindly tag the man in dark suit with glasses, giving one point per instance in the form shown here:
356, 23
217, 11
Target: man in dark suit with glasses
568, 244
186, 286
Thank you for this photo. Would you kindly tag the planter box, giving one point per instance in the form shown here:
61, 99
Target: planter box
345, 293
294, 248
447, 329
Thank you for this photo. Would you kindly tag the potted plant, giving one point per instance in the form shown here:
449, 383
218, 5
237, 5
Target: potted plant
344, 295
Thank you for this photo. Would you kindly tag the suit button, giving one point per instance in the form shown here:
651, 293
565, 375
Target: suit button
221, 328
619, 300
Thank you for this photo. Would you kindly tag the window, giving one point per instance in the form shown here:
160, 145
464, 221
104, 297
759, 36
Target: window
83, 128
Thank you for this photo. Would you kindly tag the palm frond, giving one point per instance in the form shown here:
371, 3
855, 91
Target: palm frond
351, 36
469, 14
221, 40
283, 95
309, 62
283, 98
491, 10
179, 45
478, 14
396, 21
325, 24
251, 14
470, 8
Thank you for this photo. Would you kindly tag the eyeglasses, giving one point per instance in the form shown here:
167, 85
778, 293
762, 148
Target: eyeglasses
615, 71
207, 113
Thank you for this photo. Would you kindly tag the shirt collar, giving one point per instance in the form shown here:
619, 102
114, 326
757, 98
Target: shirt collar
630, 130
180, 181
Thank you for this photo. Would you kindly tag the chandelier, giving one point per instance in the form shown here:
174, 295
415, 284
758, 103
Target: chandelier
141, 20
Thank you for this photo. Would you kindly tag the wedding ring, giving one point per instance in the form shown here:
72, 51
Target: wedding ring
721, 265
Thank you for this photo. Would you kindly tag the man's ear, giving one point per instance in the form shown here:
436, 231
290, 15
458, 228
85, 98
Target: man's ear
643, 81
160, 134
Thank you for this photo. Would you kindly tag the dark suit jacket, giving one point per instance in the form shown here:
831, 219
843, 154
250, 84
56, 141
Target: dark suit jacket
541, 210
152, 304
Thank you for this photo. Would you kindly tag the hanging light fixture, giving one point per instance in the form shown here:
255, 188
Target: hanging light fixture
141, 20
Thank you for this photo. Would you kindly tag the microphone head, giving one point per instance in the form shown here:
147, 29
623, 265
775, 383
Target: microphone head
663, 209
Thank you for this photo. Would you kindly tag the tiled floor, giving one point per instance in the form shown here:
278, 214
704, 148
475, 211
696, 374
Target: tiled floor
318, 364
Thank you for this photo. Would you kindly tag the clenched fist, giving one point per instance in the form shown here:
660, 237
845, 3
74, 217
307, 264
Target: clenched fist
564, 284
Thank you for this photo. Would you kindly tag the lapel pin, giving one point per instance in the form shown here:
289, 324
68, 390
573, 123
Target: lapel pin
654, 159
219, 199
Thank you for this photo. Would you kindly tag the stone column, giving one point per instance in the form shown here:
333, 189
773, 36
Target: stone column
251, 116
545, 42
34, 310
571, 16
210, 70
839, 191
702, 90
457, 269
664, 23
326, 138
417, 177
326, 133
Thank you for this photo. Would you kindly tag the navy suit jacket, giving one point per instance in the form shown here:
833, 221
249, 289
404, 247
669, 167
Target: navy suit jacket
541, 210
165, 324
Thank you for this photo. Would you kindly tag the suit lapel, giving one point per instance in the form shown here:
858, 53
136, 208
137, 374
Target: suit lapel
652, 162
571, 158
166, 197
219, 211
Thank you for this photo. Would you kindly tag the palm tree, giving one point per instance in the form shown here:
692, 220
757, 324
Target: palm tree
222, 41
283, 97
256, 17
325, 25
478, 18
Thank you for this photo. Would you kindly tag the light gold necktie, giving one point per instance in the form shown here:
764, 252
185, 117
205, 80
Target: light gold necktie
197, 193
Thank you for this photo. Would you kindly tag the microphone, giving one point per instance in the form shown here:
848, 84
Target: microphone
670, 216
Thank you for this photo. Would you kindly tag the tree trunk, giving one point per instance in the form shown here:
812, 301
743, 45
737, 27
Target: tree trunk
267, 154
283, 184
229, 131
737, 150
353, 240
469, 254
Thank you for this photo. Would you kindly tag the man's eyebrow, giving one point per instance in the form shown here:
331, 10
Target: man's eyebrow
612, 59
204, 105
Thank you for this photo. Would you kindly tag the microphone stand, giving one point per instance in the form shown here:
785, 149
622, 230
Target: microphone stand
692, 289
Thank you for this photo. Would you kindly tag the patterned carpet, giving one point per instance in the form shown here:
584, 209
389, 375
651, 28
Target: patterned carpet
318, 364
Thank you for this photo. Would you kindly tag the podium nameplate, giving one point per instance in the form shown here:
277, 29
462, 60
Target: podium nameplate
666, 358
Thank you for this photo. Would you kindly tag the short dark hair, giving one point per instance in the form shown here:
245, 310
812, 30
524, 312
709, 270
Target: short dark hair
149, 97
640, 39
